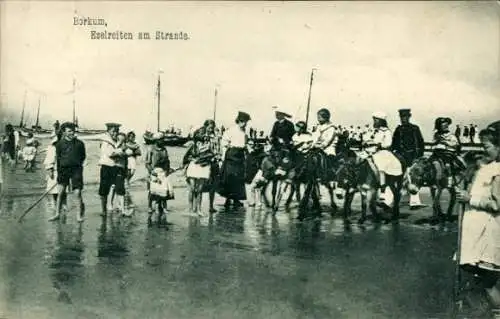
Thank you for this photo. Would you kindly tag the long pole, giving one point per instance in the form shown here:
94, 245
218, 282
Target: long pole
309, 97
215, 104
37, 114
22, 113
158, 97
74, 102
457, 285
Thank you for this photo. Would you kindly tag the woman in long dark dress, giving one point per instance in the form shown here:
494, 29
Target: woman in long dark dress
232, 183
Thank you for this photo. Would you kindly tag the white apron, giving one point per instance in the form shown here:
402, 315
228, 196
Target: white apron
197, 171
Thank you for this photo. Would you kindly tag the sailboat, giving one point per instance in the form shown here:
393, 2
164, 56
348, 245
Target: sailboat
37, 128
172, 138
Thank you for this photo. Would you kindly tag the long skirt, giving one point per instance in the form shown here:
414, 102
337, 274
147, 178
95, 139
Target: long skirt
480, 240
232, 177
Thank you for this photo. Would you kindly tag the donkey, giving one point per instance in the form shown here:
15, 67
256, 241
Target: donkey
425, 173
313, 172
354, 173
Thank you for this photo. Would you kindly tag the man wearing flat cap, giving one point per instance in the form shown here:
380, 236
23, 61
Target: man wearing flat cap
283, 130
408, 144
110, 172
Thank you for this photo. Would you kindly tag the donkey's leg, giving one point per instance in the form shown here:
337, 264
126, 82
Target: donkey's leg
274, 191
451, 205
396, 190
371, 197
305, 200
315, 195
264, 196
293, 189
436, 205
364, 205
333, 206
349, 196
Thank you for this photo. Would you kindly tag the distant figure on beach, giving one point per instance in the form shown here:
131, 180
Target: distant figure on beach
472, 133
458, 132
465, 133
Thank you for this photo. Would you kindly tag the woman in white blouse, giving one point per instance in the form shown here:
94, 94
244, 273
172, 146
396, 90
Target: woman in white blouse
480, 244
378, 146
232, 183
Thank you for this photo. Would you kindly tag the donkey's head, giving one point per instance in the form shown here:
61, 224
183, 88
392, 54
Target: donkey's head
418, 175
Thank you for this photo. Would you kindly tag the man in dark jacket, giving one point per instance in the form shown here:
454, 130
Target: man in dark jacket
408, 144
283, 130
70, 155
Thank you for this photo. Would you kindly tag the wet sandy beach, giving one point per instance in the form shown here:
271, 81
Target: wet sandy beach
243, 264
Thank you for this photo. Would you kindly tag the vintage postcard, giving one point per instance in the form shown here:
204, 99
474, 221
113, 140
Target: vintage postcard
249, 159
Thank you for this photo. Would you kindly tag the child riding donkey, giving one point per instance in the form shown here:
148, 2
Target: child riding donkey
445, 151
375, 169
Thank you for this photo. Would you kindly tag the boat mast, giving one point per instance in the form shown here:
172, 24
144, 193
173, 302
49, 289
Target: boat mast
158, 97
22, 113
215, 104
38, 114
74, 91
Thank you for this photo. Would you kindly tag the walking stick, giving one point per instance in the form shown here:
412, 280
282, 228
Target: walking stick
457, 302
36, 202
40, 199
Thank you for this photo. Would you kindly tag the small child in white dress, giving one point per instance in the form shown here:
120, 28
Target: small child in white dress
29, 153
51, 169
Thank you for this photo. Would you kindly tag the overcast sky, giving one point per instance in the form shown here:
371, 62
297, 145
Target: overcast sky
438, 58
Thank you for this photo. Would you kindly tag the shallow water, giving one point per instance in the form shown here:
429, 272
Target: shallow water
244, 264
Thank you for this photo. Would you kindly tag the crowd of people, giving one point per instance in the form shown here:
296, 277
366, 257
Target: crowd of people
221, 160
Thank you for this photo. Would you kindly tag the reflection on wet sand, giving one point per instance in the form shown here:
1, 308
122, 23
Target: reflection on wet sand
66, 265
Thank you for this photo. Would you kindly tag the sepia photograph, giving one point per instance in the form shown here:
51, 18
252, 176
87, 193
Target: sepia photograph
249, 159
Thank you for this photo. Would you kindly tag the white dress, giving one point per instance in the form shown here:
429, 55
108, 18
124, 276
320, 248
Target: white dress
50, 162
481, 228
384, 159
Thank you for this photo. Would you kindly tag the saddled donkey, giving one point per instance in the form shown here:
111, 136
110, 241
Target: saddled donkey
275, 171
315, 170
357, 175
432, 173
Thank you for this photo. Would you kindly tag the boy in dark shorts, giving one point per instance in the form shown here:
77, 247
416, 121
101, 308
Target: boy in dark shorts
70, 155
